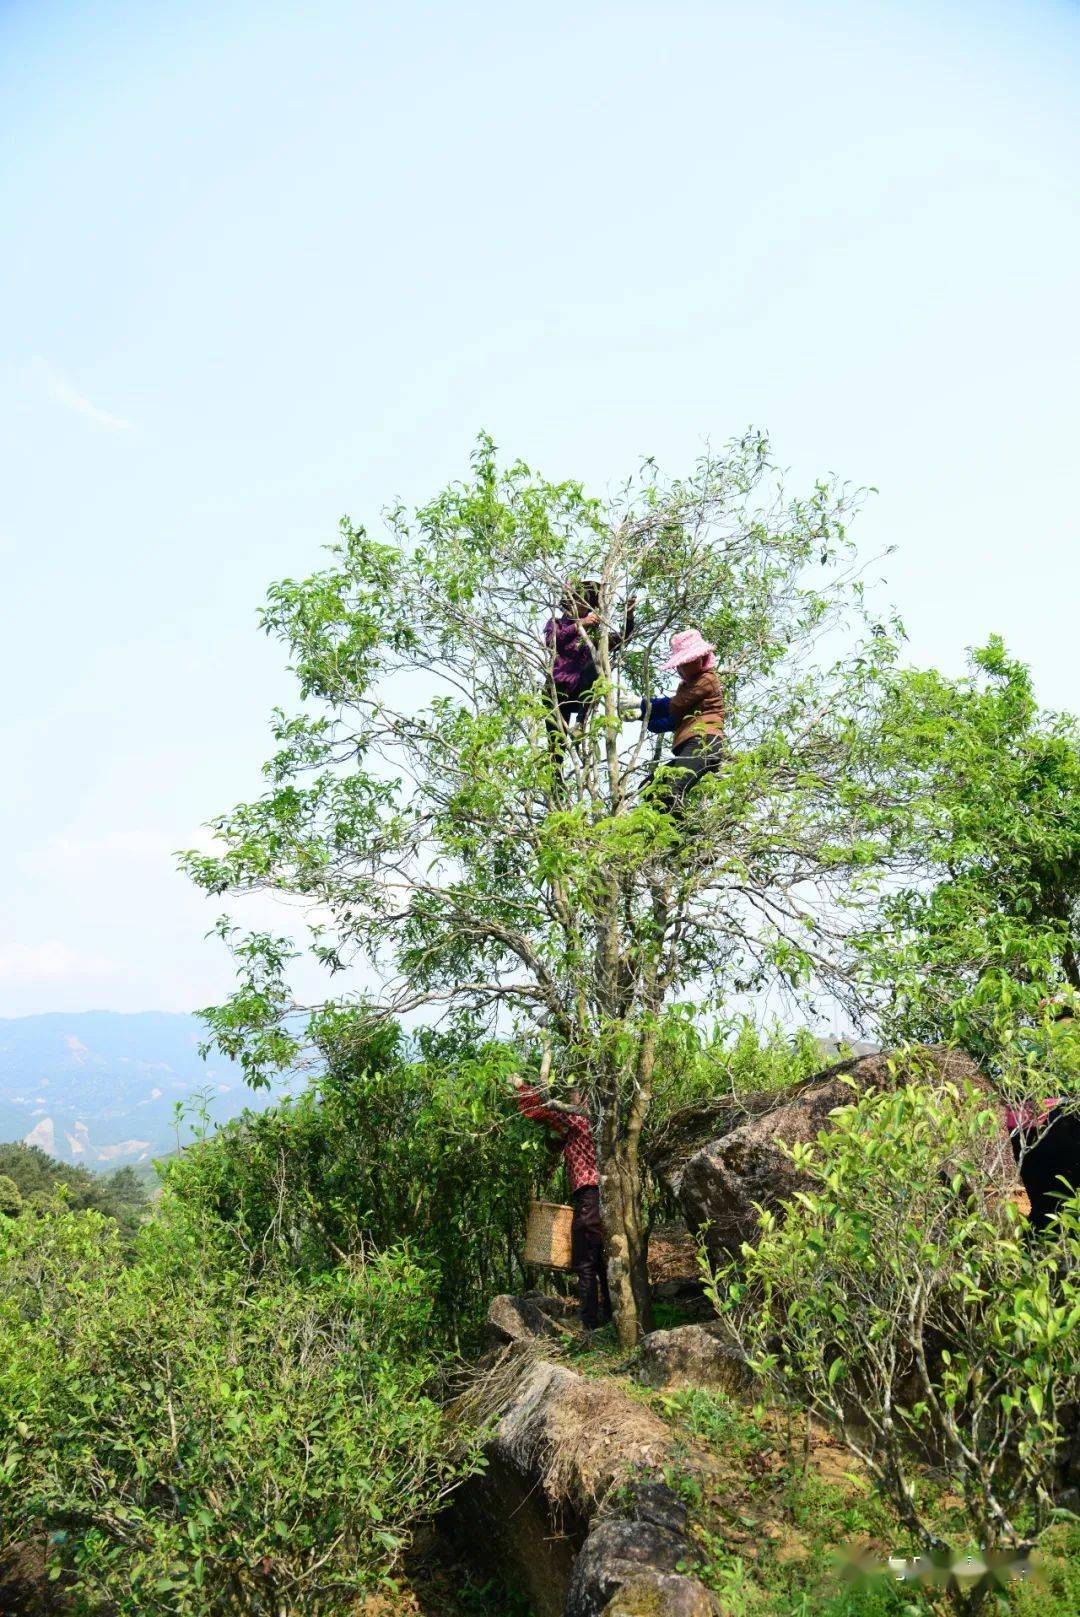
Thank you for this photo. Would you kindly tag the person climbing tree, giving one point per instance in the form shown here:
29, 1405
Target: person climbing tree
696, 714
571, 1124
443, 854
573, 669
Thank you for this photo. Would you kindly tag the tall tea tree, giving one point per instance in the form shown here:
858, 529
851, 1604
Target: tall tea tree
417, 803
982, 919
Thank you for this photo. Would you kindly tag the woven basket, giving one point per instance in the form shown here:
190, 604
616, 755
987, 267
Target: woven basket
1014, 1193
547, 1235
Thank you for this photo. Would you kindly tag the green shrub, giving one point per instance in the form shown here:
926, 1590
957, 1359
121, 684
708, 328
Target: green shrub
731, 1058
421, 1144
11, 1202
901, 1300
201, 1433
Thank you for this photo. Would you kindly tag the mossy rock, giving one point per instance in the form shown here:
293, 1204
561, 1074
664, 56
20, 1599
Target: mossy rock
659, 1594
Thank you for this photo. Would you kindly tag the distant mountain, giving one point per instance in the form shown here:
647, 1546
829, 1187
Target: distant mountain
99, 1088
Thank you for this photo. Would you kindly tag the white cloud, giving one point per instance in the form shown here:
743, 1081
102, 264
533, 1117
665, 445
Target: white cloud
64, 393
50, 962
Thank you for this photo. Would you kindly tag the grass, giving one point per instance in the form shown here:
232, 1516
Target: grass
773, 1504
1057, 1593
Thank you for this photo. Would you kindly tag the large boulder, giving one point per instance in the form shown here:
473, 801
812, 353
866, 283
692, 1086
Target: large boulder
636, 1563
693, 1355
723, 1184
576, 1436
616, 1552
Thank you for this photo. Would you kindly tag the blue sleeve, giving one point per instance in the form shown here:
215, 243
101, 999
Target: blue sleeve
660, 715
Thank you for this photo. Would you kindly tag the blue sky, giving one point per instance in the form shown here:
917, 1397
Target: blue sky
261, 265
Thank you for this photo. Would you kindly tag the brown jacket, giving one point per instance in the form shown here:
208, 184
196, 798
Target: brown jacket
698, 705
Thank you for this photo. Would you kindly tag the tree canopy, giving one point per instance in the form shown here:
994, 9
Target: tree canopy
416, 802
982, 912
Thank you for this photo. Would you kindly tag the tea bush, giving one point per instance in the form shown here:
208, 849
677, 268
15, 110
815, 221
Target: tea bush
902, 1300
202, 1432
411, 1143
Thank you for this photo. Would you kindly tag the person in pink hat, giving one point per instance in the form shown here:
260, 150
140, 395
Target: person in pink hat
696, 714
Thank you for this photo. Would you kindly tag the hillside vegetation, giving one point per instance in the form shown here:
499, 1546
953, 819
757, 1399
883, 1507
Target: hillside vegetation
277, 1389
37, 1182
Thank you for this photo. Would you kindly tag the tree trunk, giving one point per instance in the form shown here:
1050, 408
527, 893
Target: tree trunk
625, 1236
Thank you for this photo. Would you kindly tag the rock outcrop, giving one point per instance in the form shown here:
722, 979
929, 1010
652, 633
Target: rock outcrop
722, 1184
571, 1505
615, 1553
532, 1316
665, 1593
576, 1436
693, 1355
638, 1562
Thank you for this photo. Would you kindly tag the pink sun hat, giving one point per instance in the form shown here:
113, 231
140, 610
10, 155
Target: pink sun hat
686, 647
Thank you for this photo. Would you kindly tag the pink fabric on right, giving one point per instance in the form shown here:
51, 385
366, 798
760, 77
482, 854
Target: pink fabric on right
1023, 1116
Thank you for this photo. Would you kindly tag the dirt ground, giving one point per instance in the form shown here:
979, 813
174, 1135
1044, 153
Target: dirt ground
672, 1256
25, 1589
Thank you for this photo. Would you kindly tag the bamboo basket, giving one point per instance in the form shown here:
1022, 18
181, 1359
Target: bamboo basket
1014, 1193
547, 1235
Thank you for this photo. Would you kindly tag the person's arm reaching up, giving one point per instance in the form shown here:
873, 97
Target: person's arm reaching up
532, 1106
531, 1101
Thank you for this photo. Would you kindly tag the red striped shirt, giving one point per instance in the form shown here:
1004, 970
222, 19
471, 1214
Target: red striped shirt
579, 1153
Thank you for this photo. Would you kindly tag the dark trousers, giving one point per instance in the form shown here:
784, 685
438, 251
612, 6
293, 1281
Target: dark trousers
681, 772
587, 1257
1051, 1154
563, 709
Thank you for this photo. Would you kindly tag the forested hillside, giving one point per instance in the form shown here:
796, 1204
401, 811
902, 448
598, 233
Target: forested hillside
35, 1180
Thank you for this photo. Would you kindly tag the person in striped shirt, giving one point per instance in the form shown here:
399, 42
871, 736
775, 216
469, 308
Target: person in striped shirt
570, 1124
